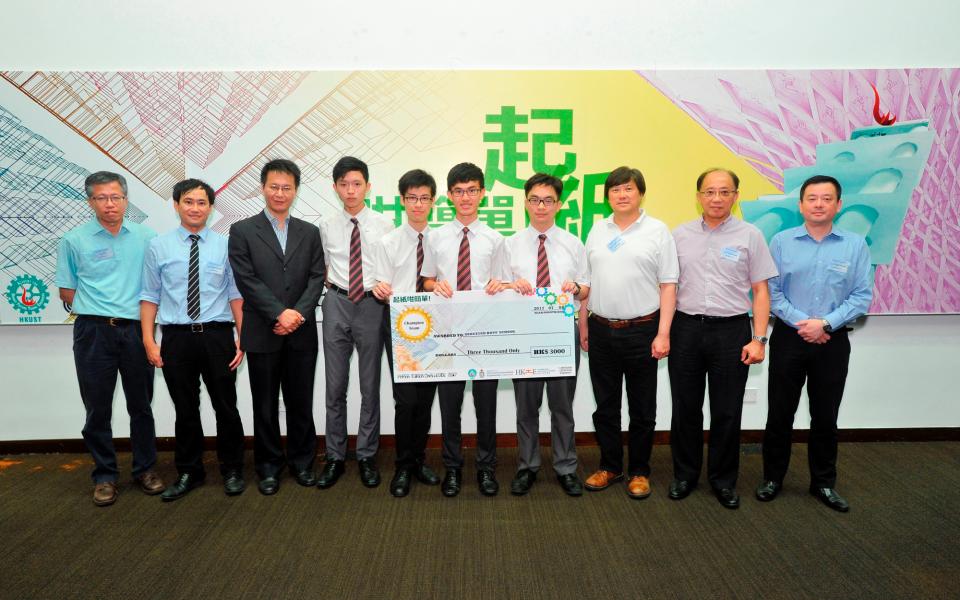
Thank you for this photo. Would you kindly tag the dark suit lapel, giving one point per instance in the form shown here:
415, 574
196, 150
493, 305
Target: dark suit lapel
294, 237
269, 237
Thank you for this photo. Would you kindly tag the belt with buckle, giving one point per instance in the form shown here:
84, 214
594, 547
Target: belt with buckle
344, 292
200, 327
111, 321
624, 323
711, 319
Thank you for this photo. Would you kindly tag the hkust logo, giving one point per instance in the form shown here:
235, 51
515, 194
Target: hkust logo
28, 295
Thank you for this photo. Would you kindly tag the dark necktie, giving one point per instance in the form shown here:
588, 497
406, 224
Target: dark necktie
193, 279
419, 261
543, 267
355, 293
463, 262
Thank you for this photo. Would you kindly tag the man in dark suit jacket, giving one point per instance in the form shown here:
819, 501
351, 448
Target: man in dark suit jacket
277, 262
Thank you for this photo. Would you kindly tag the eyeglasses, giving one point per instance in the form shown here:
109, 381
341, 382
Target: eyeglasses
418, 199
280, 189
548, 202
725, 194
460, 192
105, 199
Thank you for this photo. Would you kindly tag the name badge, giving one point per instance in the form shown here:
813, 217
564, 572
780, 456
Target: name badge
839, 266
730, 253
615, 244
103, 254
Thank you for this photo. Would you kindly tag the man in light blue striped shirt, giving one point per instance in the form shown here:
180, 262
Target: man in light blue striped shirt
825, 282
188, 288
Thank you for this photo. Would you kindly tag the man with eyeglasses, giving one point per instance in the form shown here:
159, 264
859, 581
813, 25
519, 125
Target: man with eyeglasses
825, 282
402, 257
633, 267
542, 256
99, 269
277, 262
352, 319
722, 261
471, 255
188, 288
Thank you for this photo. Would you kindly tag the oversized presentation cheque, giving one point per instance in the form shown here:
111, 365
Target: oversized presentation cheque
477, 336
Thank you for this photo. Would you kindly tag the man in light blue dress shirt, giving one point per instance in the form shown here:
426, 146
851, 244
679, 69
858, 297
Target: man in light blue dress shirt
825, 282
99, 267
188, 288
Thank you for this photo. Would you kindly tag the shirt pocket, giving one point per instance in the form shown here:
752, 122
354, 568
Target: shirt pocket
214, 274
99, 263
732, 263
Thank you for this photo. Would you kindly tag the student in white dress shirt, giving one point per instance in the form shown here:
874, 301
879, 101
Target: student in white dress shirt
352, 318
543, 255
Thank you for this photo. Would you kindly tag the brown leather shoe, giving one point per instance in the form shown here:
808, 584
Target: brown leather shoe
150, 483
638, 487
105, 494
601, 480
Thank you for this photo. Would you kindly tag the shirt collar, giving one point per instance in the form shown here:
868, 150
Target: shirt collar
96, 227
361, 216
274, 220
834, 232
413, 233
705, 227
184, 234
550, 233
476, 224
643, 215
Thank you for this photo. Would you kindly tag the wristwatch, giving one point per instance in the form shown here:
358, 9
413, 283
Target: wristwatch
761, 338
576, 291
826, 325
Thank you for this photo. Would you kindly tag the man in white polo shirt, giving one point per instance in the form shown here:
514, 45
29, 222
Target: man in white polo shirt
633, 294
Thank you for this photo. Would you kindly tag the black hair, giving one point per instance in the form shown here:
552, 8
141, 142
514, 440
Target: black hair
622, 175
544, 179
347, 164
464, 173
191, 184
820, 179
417, 178
281, 165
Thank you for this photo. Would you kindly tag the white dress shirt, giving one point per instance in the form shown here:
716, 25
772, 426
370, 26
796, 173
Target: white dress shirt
627, 267
396, 259
487, 254
566, 257
335, 234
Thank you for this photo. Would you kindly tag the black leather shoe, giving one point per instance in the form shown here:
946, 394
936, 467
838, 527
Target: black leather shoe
369, 475
427, 475
828, 496
727, 497
233, 483
269, 486
331, 472
571, 484
487, 482
306, 477
400, 484
768, 490
680, 489
522, 483
452, 481
181, 487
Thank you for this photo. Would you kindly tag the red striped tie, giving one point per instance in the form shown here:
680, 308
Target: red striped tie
543, 267
463, 262
419, 261
355, 293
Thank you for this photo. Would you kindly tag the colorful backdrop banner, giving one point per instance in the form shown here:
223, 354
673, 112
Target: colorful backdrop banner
890, 137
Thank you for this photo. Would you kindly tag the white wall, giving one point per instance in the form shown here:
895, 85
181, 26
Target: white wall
901, 368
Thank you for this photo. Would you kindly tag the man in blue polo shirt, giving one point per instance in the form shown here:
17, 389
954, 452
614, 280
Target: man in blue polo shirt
188, 284
99, 267
825, 282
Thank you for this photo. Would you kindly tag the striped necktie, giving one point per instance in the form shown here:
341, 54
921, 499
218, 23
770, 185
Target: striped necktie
355, 293
543, 267
193, 279
463, 262
419, 261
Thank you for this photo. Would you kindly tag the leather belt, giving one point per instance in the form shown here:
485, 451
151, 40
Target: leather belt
624, 323
710, 319
111, 321
200, 327
344, 292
